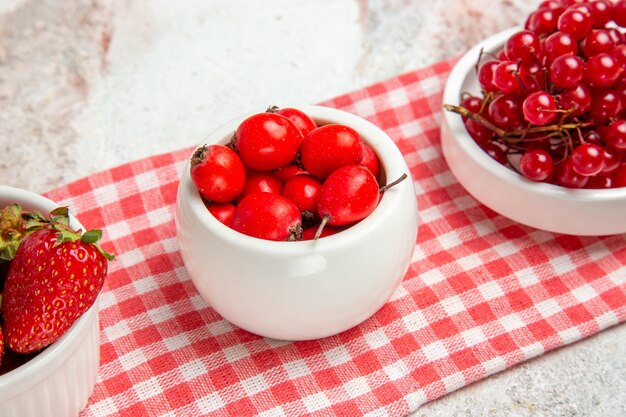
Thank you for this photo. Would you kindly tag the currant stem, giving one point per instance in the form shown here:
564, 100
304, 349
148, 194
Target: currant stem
517, 132
391, 184
320, 228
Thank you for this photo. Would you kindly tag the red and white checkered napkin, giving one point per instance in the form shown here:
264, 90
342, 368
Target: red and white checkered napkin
481, 295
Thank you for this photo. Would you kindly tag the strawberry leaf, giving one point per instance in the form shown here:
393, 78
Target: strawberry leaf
91, 236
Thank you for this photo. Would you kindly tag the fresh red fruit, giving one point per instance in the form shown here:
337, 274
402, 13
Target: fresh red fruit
539, 108
482, 135
602, 70
472, 103
261, 182
568, 177
370, 160
303, 191
223, 212
505, 77
558, 44
309, 232
575, 23
522, 45
597, 41
505, 111
578, 99
285, 172
348, 195
330, 147
268, 216
601, 181
566, 71
54, 278
543, 21
601, 11
605, 104
217, 172
614, 134
536, 164
485, 76
496, 152
612, 159
267, 141
299, 118
588, 159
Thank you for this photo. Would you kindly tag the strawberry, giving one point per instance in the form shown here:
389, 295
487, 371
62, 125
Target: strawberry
53, 279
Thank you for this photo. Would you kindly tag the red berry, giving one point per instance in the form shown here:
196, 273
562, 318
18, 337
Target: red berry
348, 195
299, 118
536, 164
481, 134
566, 71
309, 232
614, 134
505, 111
522, 46
605, 104
267, 141
223, 212
601, 11
578, 98
217, 172
568, 177
303, 191
330, 147
261, 182
619, 176
600, 181
558, 44
53, 280
285, 172
612, 159
597, 41
496, 152
370, 160
267, 216
543, 21
485, 75
587, 159
602, 70
505, 77
575, 23
619, 13
539, 108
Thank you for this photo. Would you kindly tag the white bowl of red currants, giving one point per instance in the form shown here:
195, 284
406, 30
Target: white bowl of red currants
47, 373
534, 124
297, 223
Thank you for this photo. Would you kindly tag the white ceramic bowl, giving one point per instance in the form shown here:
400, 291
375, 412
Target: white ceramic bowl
58, 381
307, 289
540, 205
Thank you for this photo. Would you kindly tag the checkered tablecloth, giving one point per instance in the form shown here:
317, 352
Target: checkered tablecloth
482, 294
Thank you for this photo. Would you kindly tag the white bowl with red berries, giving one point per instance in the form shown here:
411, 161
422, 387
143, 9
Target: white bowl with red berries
297, 223
50, 277
534, 124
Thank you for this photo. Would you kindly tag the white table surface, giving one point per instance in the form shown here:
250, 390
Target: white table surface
86, 85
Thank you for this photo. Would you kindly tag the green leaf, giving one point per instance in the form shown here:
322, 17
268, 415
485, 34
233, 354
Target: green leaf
91, 236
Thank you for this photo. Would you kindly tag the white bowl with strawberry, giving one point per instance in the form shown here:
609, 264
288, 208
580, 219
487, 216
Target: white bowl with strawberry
297, 223
51, 274
535, 119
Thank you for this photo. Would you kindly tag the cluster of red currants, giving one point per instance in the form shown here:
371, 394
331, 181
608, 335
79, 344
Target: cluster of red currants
283, 177
553, 103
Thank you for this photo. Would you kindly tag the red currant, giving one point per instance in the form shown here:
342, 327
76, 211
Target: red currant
505, 77
587, 159
485, 76
522, 46
614, 134
558, 44
536, 164
578, 99
505, 111
597, 41
566, 71
568, 177
602, 70
575, 23
539, 108
481, 134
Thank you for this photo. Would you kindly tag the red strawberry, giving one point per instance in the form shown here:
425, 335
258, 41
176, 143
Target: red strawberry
54, 278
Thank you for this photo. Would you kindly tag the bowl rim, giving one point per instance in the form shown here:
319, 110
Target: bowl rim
47, 361
461, 71
392, 163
